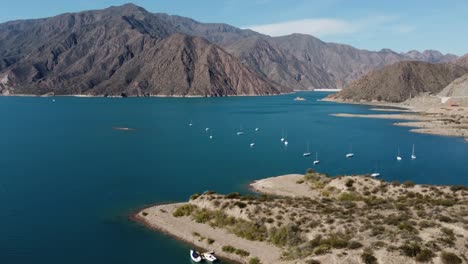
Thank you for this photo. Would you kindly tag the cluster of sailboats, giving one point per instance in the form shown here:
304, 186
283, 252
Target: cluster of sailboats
307, 153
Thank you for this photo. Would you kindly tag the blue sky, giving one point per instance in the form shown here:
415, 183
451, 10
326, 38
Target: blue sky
398, 25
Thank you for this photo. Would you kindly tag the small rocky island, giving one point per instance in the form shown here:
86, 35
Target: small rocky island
314, 218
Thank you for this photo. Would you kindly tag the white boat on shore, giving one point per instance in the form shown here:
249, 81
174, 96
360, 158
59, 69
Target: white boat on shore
375, 174
209, 256
195, 256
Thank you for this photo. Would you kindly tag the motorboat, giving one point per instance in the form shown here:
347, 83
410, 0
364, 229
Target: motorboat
195, 256
209, 256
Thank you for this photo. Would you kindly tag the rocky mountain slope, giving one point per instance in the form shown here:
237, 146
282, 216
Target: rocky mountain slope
299, 61
400, 81
457, 88
432, 56
118, 51
108, 52
462, 61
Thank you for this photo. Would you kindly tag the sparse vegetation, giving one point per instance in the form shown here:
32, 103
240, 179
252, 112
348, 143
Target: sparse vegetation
254, 260
376, 214
184, 210
450, 258
368, 257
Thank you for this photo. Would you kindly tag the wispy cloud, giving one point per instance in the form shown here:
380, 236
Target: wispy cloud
316, 27
321, 27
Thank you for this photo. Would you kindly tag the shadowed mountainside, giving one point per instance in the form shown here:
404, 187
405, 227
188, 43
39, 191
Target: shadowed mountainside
119, 50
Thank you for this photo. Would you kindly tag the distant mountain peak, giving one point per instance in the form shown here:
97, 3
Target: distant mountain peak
128, 8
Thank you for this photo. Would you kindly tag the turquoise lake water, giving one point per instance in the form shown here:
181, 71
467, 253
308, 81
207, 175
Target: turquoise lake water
68, 181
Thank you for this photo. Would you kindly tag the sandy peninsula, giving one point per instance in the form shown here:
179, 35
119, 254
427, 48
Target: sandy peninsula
314, 218
426, 118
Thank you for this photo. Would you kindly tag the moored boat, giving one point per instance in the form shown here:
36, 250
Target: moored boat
209, 256
195, 256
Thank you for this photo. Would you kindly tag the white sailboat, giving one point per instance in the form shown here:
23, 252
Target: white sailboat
307, 153
375, 173
282, 135
240, 132
413, 156
398, 157
252, 144
316, 161
211, 134
285, 140
190, 124
350, 154
206, 129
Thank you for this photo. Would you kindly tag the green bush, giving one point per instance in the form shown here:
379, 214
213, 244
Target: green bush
228, 249
234, 195
279, 236
410, 250
407, 226
202, 216
242, 253
456, 188
336, 240
184, 210
240, 204
194, 196
349, 183
349, 196
322, 249
254, 260
368, 257
210, 241
450, 258
425, 255
285, 236
250, 230
144, 213
352, 244
444, 202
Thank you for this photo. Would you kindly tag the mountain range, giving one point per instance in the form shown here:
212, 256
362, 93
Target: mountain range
126, 50
401, 81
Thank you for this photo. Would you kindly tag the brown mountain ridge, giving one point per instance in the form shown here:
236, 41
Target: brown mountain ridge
128, 50
400, 81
